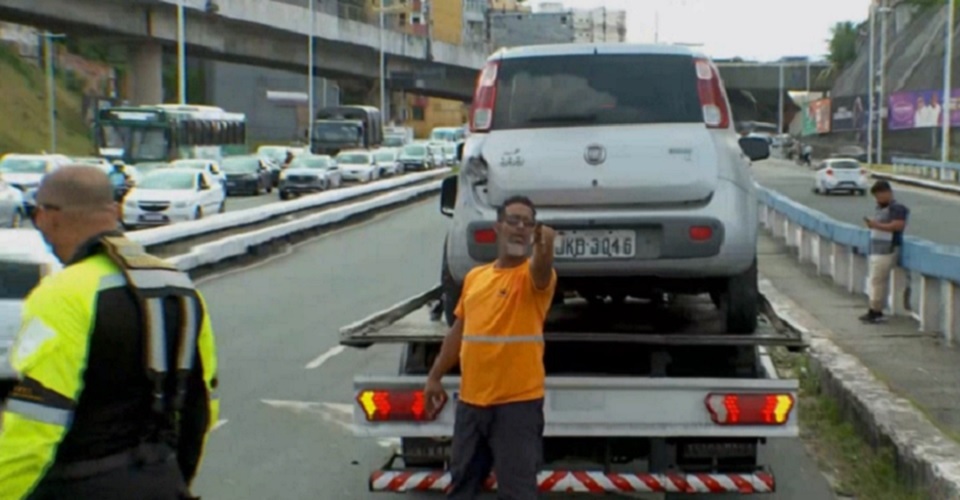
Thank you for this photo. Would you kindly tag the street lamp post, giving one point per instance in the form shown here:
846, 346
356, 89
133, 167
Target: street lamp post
310, 77
383, 68
947, 84
181, 55
780, 102
51, 86
870, 87
881, 81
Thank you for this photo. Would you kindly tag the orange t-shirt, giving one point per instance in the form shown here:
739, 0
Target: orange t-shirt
501, 357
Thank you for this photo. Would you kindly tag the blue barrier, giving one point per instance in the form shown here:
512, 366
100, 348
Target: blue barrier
917, 256
916, 162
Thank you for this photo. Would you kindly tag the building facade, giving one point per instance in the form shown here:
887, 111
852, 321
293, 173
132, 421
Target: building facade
600, 25
511, 29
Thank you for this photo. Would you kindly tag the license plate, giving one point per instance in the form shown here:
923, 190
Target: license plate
595, 244
153, 217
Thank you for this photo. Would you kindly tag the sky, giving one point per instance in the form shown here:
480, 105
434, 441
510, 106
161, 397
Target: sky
762, 30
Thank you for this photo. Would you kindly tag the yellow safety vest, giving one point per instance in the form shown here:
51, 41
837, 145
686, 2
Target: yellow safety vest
51, 349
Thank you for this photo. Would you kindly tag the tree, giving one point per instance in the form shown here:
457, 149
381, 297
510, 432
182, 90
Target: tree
843, 45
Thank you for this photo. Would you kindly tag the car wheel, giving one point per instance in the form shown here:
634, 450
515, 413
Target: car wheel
269, 188
198, 214
740, 301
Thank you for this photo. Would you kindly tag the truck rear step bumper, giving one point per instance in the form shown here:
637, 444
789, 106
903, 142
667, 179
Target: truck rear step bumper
568, 481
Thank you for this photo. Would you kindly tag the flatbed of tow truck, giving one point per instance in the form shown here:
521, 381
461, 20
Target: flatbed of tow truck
643, 397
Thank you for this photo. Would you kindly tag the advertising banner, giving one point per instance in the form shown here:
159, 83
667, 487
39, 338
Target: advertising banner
849, 113
921, 109
819, 112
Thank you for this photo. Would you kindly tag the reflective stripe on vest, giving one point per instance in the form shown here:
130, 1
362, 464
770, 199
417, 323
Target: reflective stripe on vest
40, 413
503, 339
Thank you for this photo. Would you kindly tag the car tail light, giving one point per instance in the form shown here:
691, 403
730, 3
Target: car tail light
713, 99
863, 171
386, 405
749, 409
829, 171
701, 233
484, 98
485, 236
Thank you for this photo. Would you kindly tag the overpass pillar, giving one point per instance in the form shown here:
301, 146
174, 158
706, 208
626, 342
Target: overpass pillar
146, 73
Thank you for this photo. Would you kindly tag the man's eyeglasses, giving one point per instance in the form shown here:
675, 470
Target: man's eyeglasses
519, 222
43, 206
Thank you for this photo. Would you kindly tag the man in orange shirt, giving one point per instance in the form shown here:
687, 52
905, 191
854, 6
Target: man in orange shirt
498, 340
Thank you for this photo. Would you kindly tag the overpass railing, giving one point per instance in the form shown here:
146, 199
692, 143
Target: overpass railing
930, 169
839, 250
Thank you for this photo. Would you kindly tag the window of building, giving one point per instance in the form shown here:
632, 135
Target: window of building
403, 19
419, 114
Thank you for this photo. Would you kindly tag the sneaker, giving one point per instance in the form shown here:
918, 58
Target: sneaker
872, 317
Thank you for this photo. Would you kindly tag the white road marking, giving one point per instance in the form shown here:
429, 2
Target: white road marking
220, 423
321, 359
336, 413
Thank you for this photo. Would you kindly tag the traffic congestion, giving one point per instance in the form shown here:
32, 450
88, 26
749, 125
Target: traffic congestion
603, 274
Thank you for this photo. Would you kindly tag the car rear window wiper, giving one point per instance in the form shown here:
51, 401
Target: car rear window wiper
591, 117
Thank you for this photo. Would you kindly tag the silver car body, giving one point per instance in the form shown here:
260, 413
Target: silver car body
24, 261
27, 180
299, 178
642, 187
358, 165
388, 159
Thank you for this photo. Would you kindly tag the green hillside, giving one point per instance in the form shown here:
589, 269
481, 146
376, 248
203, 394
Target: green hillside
24, 124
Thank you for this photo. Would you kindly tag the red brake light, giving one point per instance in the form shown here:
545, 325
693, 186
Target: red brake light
701, 233
749, 409
394, 405
713, 99
829, 171
863, 171
485, 236
484, 98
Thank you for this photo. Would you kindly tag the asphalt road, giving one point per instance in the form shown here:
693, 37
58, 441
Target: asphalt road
284, 431
932, 214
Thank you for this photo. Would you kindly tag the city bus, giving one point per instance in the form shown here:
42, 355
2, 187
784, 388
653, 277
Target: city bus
167, 132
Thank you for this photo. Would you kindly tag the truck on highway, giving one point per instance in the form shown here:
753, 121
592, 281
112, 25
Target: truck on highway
339, 128
655, 381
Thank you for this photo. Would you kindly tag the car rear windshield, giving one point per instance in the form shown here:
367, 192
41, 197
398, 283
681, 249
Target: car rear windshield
18, 278
845, 164
607, 89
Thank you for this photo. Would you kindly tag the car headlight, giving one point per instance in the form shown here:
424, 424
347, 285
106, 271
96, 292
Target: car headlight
283, 175
130, 203
180, 204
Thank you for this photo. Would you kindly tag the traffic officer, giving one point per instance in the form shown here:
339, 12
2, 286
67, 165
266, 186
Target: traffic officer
117, 362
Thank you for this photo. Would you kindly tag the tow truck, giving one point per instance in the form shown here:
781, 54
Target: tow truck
641, 397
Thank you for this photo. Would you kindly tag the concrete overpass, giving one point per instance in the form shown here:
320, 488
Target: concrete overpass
270, 33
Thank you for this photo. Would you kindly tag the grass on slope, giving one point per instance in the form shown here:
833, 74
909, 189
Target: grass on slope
24, 122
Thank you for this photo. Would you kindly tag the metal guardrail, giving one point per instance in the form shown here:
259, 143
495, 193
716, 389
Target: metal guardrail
929, 169
840, 250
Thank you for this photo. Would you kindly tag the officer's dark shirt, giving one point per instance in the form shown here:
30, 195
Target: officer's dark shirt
113, 413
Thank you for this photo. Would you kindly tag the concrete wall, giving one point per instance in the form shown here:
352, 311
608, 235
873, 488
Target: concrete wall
509, 29
447, 19
243, 89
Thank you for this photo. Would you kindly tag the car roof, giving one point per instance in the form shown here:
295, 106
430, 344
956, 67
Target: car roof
354, 151
183, 171
25, 245
22, 156
571, 49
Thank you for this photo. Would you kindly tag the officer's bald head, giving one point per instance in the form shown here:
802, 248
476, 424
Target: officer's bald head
74, 205
78, 188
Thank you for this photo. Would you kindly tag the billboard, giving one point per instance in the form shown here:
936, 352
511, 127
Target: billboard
849, 113
921, 109
816, 117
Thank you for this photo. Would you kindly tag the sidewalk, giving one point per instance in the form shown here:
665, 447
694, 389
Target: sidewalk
916, 366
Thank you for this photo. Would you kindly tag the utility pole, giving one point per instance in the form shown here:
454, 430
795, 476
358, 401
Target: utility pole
881, 80
870, 87
384, 108
781, 103
947, 83
181, 54
310, 77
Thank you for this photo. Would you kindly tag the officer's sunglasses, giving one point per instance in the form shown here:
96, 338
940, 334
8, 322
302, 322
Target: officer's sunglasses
50, 207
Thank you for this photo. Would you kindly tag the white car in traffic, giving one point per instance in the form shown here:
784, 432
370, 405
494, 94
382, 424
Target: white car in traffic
388, 160
210, 167
24, 172
12, 210
358, 166
24, 261
841, 174
172, 195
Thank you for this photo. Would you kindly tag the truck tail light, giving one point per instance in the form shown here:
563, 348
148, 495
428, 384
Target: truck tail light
484, 98
701, 233
485, 236
749, 409
394, 405
713, 99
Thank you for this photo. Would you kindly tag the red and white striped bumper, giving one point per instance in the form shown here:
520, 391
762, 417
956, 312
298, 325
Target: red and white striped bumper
590, 482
